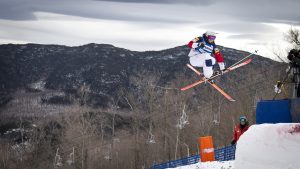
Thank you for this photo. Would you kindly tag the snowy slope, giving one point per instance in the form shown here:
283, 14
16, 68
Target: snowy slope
265, 146
210, 165
274, 146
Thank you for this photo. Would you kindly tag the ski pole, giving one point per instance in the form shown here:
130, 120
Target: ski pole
244, 58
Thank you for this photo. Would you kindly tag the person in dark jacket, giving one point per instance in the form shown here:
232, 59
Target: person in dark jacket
240, 129
294, 57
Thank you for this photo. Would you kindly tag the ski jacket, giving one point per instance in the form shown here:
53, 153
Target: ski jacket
202, 45
238, 131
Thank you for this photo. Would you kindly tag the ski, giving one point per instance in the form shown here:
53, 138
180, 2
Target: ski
212, 83
222, 91
244, 58
235, 66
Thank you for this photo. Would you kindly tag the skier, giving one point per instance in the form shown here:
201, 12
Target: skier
240, 129
201, 52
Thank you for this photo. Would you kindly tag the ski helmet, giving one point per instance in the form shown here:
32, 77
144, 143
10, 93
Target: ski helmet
211, 35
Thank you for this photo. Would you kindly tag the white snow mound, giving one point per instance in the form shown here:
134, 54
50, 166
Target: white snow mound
269, 146
263, 146
210, 165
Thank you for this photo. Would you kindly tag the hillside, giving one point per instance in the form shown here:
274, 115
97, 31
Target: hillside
104, 68
115, 105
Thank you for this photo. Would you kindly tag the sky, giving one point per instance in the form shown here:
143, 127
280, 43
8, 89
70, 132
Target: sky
142, 25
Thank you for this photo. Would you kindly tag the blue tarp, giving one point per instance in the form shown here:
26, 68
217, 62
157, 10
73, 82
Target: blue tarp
273, 111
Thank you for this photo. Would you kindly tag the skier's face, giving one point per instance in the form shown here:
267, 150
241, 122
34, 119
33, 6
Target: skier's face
210, 41
242, 122
211, 38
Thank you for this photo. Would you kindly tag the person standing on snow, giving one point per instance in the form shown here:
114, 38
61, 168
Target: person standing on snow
240, 129
201, 52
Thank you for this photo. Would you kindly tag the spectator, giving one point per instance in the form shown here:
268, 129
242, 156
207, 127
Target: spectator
239, 129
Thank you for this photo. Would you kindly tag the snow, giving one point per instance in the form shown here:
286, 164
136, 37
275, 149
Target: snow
210, 165
264, 146
275, 146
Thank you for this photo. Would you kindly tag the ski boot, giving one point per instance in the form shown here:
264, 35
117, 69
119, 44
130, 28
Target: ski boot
217, 72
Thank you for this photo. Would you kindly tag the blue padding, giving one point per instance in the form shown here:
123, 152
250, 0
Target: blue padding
273, 111
221, 154
208, 62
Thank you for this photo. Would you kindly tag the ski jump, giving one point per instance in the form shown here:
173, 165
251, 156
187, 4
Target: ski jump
200, 55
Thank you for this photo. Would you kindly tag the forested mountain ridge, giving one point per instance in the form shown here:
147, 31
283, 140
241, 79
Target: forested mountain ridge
113, 107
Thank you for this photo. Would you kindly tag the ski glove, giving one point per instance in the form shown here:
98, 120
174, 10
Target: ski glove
222, 66
201, 44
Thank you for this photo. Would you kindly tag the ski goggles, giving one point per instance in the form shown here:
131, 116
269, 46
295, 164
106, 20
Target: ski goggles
211, 37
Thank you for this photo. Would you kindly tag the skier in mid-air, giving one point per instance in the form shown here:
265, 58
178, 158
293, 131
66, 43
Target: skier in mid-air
202, 49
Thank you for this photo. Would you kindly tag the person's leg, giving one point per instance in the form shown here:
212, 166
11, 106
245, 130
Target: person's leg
192, 53
197, 60
208, 66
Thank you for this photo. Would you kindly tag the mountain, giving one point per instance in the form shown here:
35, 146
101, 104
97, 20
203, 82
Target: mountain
102, 67
114, 107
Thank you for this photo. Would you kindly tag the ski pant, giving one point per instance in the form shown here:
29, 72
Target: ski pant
204, 60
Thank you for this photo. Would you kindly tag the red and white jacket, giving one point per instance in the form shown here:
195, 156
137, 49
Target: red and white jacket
201, 45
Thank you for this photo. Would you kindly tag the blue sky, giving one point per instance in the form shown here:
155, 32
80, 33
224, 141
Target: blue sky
150, 25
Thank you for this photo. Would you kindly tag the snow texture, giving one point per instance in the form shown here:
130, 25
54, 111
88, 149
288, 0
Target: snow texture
274, 146
264, 146
210, 165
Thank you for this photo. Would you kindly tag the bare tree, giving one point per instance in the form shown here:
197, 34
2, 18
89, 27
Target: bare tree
293, 37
